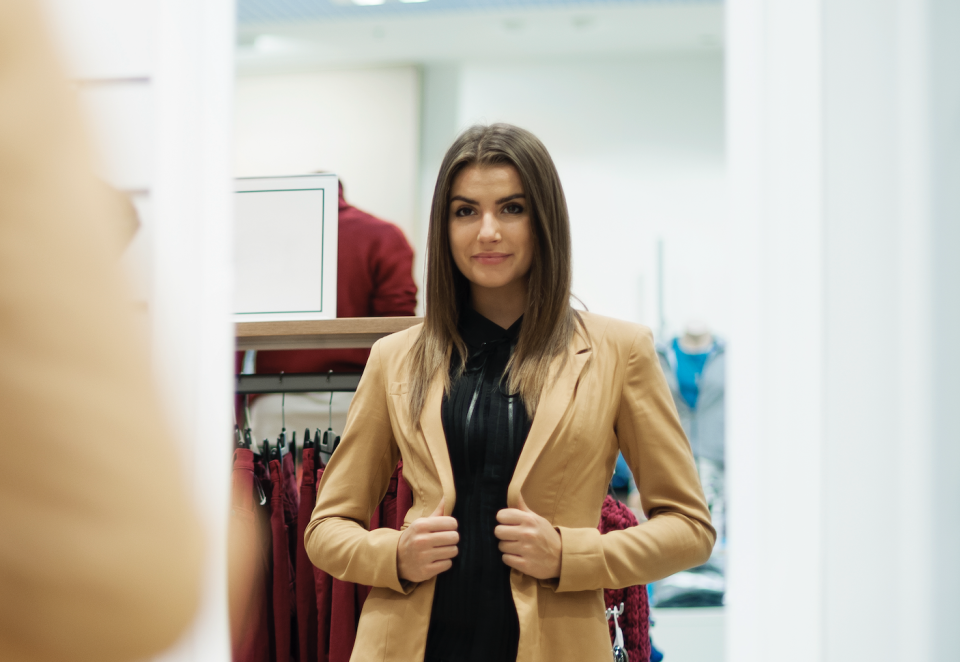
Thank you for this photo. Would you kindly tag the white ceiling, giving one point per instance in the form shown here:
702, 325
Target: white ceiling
279, 11
552, 29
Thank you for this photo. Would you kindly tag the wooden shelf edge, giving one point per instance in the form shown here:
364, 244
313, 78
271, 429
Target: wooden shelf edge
348, 332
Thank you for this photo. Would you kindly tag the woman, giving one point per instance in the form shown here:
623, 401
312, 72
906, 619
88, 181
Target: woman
508, 409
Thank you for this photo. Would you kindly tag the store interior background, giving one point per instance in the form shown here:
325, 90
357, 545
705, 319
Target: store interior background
627, 97
797, 159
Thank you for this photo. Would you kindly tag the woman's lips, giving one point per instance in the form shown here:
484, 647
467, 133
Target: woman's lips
490, 258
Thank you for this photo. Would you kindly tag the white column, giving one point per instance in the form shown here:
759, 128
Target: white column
932, 63
191, 301
775, 420
844, 157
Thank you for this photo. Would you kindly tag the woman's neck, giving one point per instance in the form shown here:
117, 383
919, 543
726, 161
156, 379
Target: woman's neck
503, 305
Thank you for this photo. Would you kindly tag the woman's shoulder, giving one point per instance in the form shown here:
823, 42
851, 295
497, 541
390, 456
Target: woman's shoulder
610, 333
391, 351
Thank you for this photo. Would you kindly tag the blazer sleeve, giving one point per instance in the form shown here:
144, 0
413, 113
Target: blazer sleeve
678, 534
337, 538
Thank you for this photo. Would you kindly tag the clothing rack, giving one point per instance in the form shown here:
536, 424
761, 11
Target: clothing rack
343, 333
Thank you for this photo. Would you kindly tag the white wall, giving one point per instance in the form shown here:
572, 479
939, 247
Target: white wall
362, 124
842, 449
638, 143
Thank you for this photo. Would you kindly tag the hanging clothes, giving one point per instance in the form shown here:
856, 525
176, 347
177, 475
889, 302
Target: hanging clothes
306, 581
261, 471
284, 617
291, 504
324, 585
635, 620
343, 620
250, 616
294, 612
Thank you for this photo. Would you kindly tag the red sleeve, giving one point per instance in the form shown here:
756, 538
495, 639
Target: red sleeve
394, 293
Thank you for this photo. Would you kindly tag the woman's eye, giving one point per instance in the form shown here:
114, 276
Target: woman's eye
463, 211
513, 209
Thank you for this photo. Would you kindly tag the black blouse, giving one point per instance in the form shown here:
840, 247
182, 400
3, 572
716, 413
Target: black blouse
474, 618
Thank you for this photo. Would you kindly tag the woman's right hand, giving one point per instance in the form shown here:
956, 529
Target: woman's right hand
426, 546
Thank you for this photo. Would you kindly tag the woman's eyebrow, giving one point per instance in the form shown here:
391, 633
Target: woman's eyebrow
499, 202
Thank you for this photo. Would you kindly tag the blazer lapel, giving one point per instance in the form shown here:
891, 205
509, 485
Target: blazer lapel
432, 426
553, 403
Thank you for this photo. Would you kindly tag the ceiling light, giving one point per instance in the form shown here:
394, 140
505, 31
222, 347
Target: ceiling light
409, 1
368, 2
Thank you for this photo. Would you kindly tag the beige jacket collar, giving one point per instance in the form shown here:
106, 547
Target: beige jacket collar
553, 403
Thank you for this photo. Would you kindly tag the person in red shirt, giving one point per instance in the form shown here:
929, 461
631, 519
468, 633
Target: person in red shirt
374, 279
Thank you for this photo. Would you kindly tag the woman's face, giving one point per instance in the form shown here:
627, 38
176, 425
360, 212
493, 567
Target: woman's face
489, 221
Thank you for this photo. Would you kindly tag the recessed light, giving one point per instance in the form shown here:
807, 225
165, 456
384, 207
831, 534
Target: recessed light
368, 2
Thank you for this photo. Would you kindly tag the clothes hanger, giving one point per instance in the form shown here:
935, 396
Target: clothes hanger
619, 653
265, 453
282, 439
330, 439
293, 449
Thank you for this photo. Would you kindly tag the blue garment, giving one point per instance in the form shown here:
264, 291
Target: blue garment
621, 474
689, 367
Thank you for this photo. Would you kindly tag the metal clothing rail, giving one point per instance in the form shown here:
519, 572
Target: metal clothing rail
297, 383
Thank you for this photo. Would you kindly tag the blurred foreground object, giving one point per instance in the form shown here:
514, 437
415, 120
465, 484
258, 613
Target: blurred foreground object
100, 552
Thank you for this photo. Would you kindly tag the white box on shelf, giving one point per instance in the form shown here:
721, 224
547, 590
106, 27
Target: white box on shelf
285, 248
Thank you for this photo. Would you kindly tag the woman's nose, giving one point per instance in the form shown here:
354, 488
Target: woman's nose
489, 228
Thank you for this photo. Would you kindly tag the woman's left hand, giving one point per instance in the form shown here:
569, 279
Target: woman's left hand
529, 542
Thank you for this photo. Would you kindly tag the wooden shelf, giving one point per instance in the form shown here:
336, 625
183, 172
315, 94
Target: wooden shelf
348, 332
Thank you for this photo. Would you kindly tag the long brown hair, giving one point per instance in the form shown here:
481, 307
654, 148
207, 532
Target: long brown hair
549, 322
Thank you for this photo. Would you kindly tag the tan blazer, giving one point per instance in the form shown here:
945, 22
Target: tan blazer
611, 396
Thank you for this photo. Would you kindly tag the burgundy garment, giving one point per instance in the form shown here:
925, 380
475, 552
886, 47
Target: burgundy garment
404, 497
306, 584
291, 508
374, 279
249, 614
261, 473
324, 585
343, 620
635, 621
282, 614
